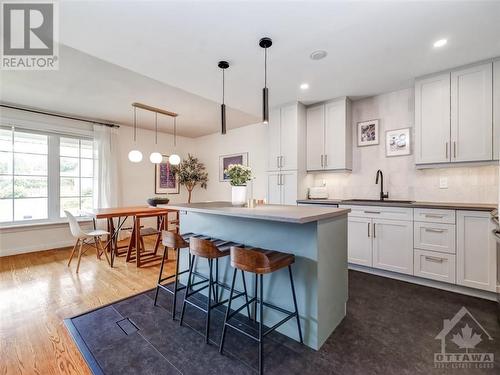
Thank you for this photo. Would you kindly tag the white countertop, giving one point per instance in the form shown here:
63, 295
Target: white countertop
289, 214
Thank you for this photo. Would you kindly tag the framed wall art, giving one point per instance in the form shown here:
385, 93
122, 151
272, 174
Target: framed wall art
368, 134
397, 142
166, 182
225, 160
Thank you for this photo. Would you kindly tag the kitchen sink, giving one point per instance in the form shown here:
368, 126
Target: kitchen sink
377, 201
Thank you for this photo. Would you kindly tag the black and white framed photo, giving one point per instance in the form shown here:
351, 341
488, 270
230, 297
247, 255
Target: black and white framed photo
226, 160
397, 142
166, 181
368, 133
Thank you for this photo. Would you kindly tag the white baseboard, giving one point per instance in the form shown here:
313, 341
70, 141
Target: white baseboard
36, 247
425, 282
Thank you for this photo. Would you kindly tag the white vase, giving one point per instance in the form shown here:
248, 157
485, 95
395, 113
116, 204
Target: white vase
238, 195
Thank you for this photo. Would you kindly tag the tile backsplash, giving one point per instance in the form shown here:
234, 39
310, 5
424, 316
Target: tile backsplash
474, 184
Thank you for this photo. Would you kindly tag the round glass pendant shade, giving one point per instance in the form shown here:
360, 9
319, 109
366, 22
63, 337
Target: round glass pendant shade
135, 156
155, 158
174, 159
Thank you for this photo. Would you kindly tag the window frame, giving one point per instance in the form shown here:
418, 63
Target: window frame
53, 176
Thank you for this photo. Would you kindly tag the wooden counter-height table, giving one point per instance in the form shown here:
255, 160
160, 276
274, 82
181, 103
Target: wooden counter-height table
121, 214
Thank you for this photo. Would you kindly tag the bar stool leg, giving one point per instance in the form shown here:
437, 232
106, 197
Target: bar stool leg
221, 347
295, 304
210, 281
176, 283
246, 294
261, 325
255, 295
216, 280
159, 277
187, 288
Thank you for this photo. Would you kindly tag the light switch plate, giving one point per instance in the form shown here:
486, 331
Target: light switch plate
443, 182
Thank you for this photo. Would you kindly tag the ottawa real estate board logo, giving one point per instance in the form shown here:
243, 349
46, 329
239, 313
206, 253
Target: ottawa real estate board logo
464, 335
30, 35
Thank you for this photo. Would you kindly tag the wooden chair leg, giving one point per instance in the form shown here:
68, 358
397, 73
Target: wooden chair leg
73, 251
79, 256
97, 251
103, 250
143, 247
130, 245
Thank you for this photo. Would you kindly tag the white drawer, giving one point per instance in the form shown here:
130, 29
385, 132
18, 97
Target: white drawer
434, 216
434, 237
379, 212
434, 265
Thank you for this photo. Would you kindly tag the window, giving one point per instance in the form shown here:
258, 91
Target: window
43, 174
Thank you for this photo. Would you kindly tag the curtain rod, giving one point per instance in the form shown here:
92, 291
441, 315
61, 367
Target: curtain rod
58, 115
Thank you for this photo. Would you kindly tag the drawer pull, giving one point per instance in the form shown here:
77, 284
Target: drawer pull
372, 212
435, 216
434, 230
434, 259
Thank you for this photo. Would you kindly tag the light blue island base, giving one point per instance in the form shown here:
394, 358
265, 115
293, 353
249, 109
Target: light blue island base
320, 269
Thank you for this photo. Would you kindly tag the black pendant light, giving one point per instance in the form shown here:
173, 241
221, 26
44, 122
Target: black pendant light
265, 43
223, 65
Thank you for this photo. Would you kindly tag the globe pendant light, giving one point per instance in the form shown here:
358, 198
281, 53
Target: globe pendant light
265, 43
174, 159
156, 157
223, 65
135, 156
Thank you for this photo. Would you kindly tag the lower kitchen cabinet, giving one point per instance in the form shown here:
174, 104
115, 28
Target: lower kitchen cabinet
476, 250
393, 245
360, 241
434, 265
282, 187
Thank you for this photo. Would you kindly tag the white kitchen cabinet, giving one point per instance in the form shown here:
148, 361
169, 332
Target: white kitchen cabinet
476, 250
329, 136
432, 119
496, 110
393, 245
282, 187
472, 114
284, 141
359, 241
315, 119
434, 237
434, 265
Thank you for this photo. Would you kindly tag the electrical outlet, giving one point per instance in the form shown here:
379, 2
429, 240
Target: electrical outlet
443, 182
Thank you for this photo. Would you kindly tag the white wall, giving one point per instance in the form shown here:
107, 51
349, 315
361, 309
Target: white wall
251, 139
396, 110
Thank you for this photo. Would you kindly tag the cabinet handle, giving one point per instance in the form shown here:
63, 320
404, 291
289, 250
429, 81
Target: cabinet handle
435, 216
321, 161
277, 161
434, 230
454, 149
372, 212
374, 231
368, 229
281, 161
446, 150
282, 178
434, 259
326, 160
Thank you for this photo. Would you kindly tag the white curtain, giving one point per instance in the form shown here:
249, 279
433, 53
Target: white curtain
106, 183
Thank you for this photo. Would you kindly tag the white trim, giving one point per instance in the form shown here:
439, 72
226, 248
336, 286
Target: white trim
37, 247
29, 226
429, 283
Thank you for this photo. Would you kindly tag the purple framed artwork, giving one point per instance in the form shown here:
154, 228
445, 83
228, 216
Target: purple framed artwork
226, 160
165, 179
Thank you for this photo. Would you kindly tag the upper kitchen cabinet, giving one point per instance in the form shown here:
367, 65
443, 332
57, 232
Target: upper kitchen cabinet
432, 119
472, 113
286, 133
329, 136
454, 116
496, 110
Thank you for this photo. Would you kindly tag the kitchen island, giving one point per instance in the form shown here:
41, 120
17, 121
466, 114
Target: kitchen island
317, 236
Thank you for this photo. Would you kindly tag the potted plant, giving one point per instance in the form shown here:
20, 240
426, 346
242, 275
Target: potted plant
238, 175
190, 173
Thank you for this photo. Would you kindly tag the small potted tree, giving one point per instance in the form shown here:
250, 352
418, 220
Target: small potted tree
191, 172
238, 175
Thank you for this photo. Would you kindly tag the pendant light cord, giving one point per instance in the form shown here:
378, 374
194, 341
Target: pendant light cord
175, 132
156, 128
265, 67
223, 86
135, 124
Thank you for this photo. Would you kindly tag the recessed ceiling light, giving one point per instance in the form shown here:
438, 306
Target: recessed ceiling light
440, 43
304, 86
318, 55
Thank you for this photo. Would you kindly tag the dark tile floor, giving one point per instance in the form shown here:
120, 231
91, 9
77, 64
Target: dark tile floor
390, 328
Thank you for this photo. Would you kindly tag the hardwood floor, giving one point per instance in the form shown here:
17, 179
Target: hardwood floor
38, 290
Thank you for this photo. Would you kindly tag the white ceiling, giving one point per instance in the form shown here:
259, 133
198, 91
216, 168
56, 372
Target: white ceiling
373, 47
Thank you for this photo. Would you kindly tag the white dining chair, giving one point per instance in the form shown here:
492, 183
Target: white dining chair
85, 238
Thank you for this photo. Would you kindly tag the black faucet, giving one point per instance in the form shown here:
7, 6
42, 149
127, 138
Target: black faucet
382, 194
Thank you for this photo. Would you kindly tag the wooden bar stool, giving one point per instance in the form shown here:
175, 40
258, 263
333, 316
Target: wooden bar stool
176, 242
210, 249
260, 262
